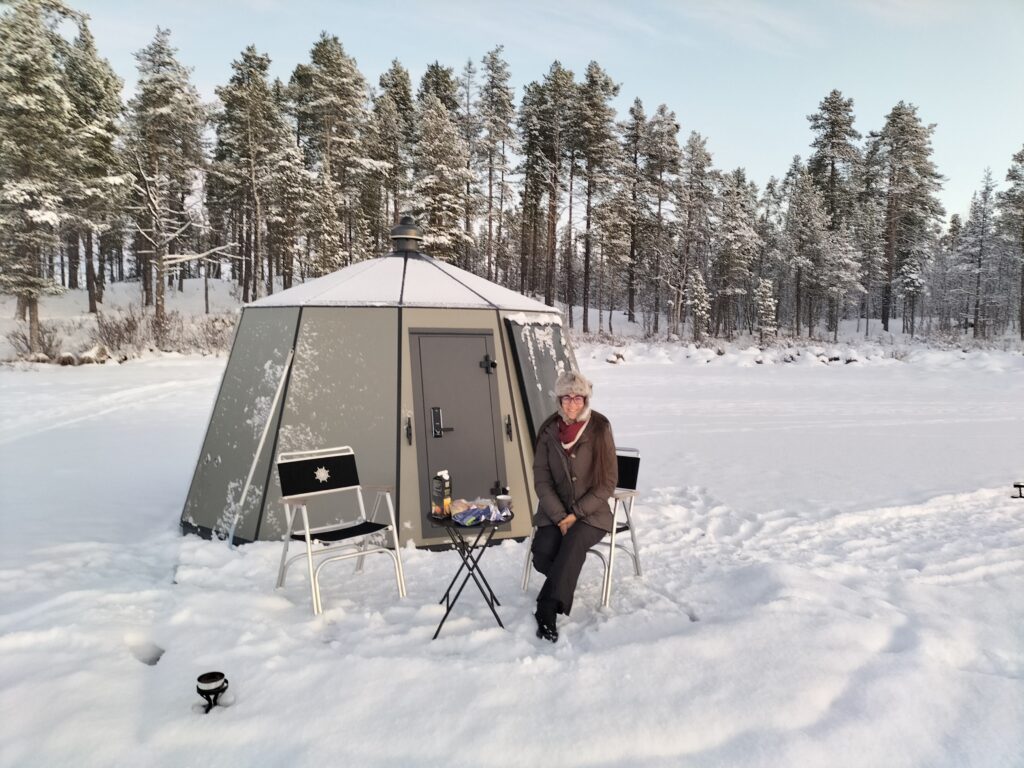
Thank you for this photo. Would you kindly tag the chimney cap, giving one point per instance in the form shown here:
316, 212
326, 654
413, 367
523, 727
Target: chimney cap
406, 235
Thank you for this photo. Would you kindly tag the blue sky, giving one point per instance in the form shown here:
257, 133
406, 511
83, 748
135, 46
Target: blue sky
744, 73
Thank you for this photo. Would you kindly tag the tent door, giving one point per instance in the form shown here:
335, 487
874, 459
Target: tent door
459, 420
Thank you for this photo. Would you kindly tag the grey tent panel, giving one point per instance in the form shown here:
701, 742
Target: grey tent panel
342, 391
541, 354
253, 372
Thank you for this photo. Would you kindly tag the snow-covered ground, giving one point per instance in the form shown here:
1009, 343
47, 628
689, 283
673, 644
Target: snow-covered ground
834, 576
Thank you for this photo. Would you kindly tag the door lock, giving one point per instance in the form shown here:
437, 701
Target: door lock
437, 427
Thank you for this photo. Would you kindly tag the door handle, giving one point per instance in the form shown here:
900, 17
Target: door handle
437, 427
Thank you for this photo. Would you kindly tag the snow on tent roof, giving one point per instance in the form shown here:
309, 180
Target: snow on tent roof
411, 281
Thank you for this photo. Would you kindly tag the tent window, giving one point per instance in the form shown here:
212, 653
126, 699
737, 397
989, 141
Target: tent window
541, 354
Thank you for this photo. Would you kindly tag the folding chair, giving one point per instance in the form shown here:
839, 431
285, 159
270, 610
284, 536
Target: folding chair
628, 460
324, 472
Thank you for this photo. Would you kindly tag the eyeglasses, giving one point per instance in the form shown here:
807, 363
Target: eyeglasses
574, 399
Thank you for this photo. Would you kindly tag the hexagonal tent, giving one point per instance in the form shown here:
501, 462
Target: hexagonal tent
418, 365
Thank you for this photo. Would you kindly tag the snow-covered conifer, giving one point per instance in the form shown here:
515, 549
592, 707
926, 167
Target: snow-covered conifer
440, 181
1011, 217
700, 306
835, 154
597, 144
497, 112
36, 118
99, 183
901, 170
764, 300
164, 152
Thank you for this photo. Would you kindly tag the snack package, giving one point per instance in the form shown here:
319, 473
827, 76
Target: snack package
441, 494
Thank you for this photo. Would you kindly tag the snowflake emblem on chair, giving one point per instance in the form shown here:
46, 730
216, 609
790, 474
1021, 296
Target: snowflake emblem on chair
322, 474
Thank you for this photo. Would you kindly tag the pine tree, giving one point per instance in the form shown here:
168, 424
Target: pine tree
99, 182
1011, 208
804, 245
695, 201
326, 230
331, 104
558, 95
978, 252
634, 143
534, 171
736, 247
440, 182
700, 307
391, 149
766, 308
840, 278
248, 126
289, 189
35, 130
396, 84
469, 124
164, 147
662, 166
597, 143
901, 169
439, 81
497, 112
835, 155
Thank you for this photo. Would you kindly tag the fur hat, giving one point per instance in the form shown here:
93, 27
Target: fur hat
572, 383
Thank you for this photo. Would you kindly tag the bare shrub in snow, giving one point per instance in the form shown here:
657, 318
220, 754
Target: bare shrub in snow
121, 331
50, 342
212, 333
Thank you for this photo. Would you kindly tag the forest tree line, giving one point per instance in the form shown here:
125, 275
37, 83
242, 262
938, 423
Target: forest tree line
549, 192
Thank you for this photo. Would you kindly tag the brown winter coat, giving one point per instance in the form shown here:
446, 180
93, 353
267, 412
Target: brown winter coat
569, 483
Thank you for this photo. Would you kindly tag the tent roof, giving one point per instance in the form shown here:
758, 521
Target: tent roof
407, 280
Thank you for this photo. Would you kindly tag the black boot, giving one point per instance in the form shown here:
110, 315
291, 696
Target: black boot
545, 615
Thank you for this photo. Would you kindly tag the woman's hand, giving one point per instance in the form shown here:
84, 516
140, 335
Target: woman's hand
566, 523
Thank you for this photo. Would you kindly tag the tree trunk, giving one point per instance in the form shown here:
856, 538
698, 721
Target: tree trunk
34, 344
1021, 297
246, 258
799, 298
101, 267
977, 291
71, 246
90, 271
890, 262
501, 208
587, 251
569, 296
631, 276
490, 214
549, 271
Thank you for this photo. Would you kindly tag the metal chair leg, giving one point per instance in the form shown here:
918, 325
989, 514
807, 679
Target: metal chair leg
400, 570
283, 568
632, 535
529, 559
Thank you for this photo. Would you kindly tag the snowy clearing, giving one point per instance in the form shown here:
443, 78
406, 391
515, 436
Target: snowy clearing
834, 576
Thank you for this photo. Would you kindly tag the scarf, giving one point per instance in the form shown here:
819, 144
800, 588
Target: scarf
569, 434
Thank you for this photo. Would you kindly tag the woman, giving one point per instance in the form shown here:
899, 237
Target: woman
575, 472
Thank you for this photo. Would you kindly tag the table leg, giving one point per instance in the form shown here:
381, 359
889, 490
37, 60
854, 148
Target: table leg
471, 565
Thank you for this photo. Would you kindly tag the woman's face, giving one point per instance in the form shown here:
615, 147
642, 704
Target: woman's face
572, 405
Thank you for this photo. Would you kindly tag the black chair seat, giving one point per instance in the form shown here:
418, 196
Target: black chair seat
340, 534
622, 528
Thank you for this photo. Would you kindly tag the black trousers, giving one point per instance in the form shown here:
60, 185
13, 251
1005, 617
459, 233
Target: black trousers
561, 558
